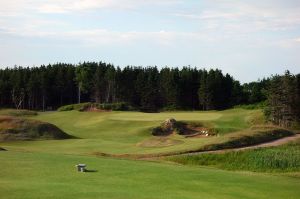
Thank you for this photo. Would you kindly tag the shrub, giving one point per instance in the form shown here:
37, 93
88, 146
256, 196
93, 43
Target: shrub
170, 108
260, 105
78, 107
66, 107
119, 106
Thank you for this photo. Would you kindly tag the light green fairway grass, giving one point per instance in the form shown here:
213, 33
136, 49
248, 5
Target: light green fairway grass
127, 132
45, 169
41, 175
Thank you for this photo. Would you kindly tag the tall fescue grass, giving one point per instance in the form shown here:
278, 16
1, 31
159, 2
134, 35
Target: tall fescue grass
284, 158
249, 138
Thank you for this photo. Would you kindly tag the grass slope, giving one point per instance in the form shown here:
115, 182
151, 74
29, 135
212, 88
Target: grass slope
284, 158
36, 175
15, 128
130, 132
35, 169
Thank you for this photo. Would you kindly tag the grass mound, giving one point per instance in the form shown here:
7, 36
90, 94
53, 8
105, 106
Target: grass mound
191, 129
2, 149
159, 142
12, 128
248, 139
17, 113
284, 158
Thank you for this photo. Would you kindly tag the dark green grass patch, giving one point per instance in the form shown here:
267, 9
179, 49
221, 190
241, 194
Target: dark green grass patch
77, 107
284, 158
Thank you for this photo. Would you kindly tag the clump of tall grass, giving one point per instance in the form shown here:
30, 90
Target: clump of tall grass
243, 140
284, 158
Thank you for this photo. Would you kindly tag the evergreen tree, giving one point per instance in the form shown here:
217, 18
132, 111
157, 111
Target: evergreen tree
83, 78
283, 104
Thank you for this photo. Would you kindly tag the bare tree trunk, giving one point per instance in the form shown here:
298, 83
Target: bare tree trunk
43, 102
18, 100
108, 93
78, 94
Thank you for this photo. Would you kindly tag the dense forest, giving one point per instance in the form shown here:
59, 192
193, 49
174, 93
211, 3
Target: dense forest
283, 100
51, 86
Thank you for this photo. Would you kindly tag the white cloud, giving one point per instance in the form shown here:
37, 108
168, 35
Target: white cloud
240, 16
21, 7
288, 43
222, 22
90, 37
75, 5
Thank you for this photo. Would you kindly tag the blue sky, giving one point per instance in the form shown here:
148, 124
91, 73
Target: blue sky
249, 39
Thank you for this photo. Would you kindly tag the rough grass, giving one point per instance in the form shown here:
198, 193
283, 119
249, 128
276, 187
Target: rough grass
284, 158
13, 128
17, 113
249, 138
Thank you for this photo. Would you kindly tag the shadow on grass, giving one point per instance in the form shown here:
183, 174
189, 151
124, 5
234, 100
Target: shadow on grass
2, 149
91, 170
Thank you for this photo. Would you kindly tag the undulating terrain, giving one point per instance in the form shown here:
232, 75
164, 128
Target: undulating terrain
124, 159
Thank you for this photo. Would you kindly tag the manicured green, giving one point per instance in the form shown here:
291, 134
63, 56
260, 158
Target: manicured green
284, 158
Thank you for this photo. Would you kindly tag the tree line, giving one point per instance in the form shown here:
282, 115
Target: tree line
147, 88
